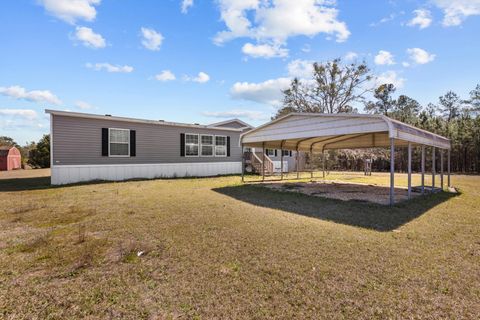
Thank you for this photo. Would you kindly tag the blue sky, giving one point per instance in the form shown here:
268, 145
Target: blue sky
205, 61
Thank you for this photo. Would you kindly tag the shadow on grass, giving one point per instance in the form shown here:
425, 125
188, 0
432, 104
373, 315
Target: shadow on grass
36, 183
354, 213
39, 183
22, 184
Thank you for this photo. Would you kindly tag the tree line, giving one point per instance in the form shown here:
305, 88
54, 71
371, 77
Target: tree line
342, 88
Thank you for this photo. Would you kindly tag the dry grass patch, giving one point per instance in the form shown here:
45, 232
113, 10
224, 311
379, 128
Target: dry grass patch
216, 249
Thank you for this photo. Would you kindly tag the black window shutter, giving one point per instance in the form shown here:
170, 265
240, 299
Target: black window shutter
266, 151
104, 142
182, 144
133, 143
275, 152
290, 153
228, 146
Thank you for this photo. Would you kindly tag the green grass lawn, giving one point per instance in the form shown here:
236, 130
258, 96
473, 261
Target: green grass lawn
215, 248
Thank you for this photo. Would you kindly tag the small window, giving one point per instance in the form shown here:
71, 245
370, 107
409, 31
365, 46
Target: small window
271, 152
207, 146
118, 142
220, 146
191, 145
286, 153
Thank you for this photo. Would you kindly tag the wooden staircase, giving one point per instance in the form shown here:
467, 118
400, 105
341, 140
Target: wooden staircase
255, 160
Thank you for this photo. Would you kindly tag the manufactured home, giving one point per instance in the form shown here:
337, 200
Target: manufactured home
86, 147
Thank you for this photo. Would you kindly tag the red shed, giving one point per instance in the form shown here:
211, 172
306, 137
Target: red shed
10, 158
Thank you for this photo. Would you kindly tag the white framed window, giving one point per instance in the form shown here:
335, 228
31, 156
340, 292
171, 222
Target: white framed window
191, 145
207, 145
220, 146
271, 152
286, 153
118, 142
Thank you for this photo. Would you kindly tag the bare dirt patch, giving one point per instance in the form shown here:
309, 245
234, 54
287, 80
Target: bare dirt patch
343, 191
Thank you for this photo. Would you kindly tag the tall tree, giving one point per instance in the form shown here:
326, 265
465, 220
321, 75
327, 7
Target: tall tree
475, 99
40, 155
450, 105
385, 101
406, 109
7, 141
335, 87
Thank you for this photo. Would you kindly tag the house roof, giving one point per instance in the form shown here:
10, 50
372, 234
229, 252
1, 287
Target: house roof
313, 131
136, 120
217, 124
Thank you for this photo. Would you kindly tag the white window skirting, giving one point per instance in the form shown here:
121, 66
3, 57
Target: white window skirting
65, 174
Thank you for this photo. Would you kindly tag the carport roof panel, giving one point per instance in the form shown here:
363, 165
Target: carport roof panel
304, 126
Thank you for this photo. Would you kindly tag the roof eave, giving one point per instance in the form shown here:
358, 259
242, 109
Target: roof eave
134, 120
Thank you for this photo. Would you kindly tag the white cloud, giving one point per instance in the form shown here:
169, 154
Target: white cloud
275, 21
423, 18
383, 20
71, 10
350, 56
302, 69
269, 92
26, 114
389, 77
21, 120
186, 4
456, 11
384, 57
306, 48
264, 51
89, 38
83, 105
202, 77
405, 64
18, 92
248, 114
165, 75
420, 56
151, 39
109, 67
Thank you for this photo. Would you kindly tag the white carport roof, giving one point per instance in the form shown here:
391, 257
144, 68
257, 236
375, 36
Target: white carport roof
318, 132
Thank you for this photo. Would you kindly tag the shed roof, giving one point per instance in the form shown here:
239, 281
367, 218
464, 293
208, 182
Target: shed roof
5, 150
313, 131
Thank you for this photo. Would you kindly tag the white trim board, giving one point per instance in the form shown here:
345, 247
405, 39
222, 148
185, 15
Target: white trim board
66, 174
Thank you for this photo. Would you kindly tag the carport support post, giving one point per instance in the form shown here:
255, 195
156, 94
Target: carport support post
448, 168
433, 169
243, 164
392, 171
298, 169
423, 169
441, 169
281, 161
263, 161
311, 164
409, 170
323, 165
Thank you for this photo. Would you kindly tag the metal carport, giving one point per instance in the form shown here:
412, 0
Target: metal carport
312, 132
